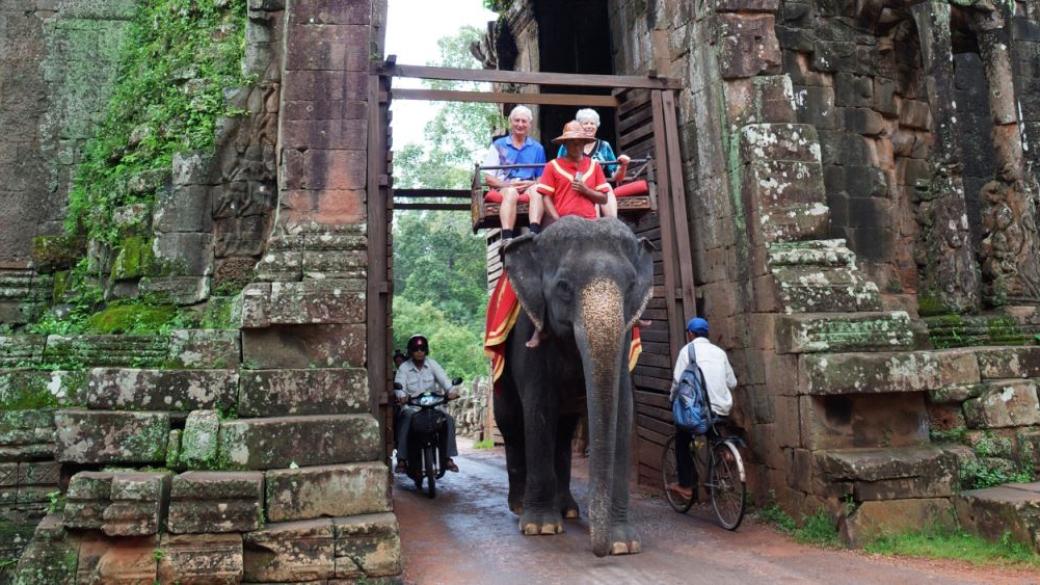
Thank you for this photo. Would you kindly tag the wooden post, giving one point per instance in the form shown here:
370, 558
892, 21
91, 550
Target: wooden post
664, 206
682, 233
378, 289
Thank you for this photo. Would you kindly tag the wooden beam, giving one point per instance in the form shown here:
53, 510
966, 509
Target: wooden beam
664, 203
527, 77
432, 206
682, 228
447, 193
378, 278
504, 97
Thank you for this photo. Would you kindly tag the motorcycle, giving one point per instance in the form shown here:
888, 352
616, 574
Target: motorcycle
425, 450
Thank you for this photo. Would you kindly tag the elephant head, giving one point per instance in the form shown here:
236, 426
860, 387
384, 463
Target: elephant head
590, 281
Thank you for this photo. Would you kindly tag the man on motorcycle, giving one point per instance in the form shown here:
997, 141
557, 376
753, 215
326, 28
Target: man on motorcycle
415, 376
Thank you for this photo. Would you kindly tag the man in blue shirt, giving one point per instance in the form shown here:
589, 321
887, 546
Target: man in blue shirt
512, 186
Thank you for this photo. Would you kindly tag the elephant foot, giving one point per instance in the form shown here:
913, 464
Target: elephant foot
516, 506
569, 508
624, 541
532, 524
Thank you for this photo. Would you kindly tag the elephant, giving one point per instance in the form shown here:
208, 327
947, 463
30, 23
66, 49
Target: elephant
583, 283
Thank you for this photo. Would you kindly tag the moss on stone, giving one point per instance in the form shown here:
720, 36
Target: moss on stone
929, 305
57, 252
131, 318
135, 258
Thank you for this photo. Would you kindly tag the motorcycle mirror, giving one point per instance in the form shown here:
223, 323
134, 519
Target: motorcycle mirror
398, 386
456, 381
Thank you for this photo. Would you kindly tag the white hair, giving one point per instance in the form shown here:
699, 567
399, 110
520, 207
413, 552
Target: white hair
521, 111
587, 115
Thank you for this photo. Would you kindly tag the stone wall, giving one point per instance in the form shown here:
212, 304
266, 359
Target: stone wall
58, 62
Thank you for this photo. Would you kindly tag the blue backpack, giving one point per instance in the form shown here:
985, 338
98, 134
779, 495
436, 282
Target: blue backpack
691, 410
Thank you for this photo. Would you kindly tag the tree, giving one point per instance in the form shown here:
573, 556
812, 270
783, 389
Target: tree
440, 286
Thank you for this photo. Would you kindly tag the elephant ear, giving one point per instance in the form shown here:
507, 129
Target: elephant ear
642, 258
525, 274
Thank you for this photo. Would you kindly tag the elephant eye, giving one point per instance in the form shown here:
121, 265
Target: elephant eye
565, 290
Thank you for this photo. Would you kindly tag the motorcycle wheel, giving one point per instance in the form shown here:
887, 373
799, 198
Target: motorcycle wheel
431, 474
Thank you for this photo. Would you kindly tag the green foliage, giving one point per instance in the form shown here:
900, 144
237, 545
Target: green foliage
940, 543
988, 472
55, 502
818, 529
437, 260
457, 348
484, 444
497, 5
178, 57
439, 266
954, 435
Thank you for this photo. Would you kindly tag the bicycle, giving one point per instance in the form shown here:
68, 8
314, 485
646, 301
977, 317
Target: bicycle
727, 481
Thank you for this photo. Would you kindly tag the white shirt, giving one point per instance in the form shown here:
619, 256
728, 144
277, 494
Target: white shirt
416, 381
718, 373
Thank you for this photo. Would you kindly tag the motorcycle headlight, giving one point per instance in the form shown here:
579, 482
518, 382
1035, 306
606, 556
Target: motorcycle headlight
428, 400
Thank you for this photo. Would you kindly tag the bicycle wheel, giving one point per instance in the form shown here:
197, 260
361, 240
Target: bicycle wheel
670, 476
726, 484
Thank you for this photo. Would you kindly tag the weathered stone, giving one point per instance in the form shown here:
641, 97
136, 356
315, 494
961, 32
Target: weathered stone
201, 559
272, 443
805, 289
106, 350
111, 437
138, 504
86, 499
1012, 509
203, 349
791, 142
46, 562
956, 393
367, 546
135, 259
117, 561
216, 502
297, 392
332, 490
181, 290
301, 303
876, 518
1005, 403
22, 386
854, 373
861, 420
176, 390
808, 333
185, 254
52, 253
199, 443
16, 350
304, 347
1009, 362
185, 208
892, 473
747, 45
290, 551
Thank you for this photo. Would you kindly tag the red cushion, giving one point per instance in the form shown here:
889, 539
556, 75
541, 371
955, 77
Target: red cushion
634, 188
496, 197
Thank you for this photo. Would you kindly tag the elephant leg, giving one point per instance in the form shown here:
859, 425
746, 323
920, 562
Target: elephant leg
510, 422
540, 515
624, 539
564, 435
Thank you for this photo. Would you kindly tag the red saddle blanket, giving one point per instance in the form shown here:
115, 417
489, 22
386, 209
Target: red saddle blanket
502, 313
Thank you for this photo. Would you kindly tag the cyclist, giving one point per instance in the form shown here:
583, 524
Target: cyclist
719, 379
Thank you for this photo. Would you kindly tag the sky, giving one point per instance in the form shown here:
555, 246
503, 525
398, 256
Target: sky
412, 30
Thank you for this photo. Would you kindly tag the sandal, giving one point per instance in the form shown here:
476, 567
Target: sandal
450, 466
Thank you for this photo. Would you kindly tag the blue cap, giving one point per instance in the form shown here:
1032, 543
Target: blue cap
697, 326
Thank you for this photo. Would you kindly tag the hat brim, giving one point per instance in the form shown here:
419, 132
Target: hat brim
585, 138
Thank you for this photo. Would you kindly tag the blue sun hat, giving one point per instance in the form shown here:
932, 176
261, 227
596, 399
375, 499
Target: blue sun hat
697, 326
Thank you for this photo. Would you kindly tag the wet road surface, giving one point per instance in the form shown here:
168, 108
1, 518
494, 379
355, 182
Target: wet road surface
467, 535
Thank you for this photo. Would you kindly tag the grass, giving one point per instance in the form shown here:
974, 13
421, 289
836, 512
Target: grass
818, 529
957, 545
485, 444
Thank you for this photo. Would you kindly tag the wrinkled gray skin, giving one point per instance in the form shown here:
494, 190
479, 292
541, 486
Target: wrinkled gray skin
585, 283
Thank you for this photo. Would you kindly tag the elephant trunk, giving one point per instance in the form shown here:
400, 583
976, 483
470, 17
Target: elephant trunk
600, 333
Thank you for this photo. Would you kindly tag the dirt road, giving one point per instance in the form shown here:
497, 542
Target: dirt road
468, 536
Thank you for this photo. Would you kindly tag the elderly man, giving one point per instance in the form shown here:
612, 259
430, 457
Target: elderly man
511, 186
